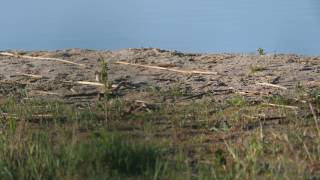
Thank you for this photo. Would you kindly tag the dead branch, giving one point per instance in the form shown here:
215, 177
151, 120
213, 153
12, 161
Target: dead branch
89, 83
32, 76
28, 75
166, 65
93, 83
198, 96
281, 106
273, 85
168, 69
264, 117
40, 58
251, 93
115, 87
204, 86
83, 94
44, 92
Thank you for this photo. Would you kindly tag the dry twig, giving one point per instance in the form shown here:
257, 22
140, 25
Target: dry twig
44, 92
40, 58
281, 106
89, 83
252, 93
93, 83
168, 69
32, 75
273, 85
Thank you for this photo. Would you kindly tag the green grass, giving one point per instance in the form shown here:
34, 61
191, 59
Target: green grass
32, 148
53, 149
37, 155
196, 139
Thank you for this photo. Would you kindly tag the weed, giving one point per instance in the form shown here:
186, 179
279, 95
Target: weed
107, 93
261, 51
104, 78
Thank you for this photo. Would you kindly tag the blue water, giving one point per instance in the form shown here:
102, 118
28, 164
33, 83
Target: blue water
185, 25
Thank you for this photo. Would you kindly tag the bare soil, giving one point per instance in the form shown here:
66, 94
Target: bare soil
235, 74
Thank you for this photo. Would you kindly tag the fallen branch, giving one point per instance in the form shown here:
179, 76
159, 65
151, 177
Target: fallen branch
40, 58
167, 65
88, 83
272, 85
91, 83
265, 118
251, 93
168, 69
82, 94
32, 75
281, 106
114, 88
199, 96
43, 92
204, 86
28, 75
230, 89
